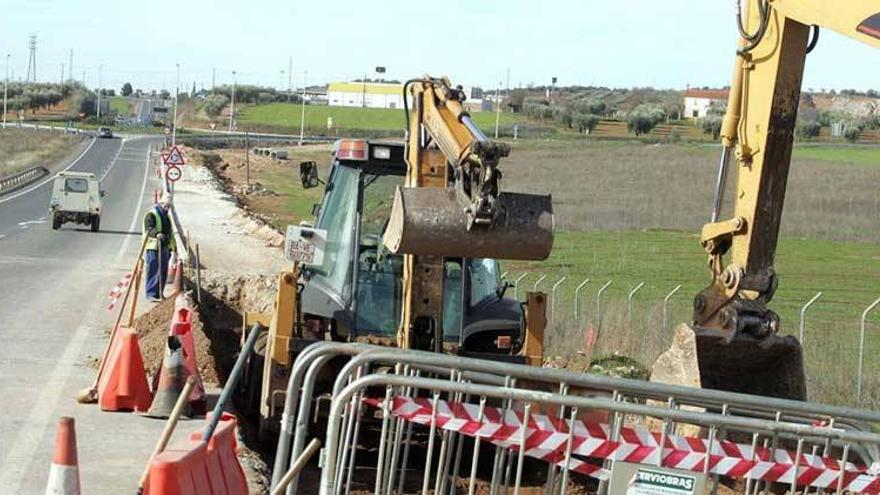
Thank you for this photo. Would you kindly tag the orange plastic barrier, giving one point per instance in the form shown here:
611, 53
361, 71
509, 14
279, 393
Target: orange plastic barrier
181, 326
123, 382
181, 470
196, 467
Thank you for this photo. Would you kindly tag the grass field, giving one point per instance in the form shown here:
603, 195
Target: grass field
865, 156
21, 149
631, 213
123, 107
288, 115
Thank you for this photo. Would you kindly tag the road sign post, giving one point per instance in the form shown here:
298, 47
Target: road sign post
173, 173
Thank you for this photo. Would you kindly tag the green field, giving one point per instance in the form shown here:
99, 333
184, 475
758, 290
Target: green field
123, 107
288, 115
865, 156
847, 273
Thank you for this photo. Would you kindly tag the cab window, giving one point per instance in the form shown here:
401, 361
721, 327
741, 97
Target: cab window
338, 219
76, 185
484, 279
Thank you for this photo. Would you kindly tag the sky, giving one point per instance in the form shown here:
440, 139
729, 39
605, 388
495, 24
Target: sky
620, 43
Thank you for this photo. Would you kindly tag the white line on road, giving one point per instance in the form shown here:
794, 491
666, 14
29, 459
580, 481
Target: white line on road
30, 222
21, 452
74, 162
137, 209
113, 161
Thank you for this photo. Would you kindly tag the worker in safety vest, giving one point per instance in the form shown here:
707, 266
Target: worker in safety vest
158, 247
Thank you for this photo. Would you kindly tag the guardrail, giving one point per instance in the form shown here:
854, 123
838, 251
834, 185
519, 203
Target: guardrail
14, 181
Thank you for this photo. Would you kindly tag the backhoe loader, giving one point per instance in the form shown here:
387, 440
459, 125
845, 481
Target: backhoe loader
449, 298
734, 334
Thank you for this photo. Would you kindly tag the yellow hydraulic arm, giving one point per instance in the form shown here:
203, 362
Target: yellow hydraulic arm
470, 219
758, 131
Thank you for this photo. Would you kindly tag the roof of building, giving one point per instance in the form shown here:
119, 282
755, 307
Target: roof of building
709, 94
369, 88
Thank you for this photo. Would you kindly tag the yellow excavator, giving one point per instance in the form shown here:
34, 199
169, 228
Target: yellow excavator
738, 347
431, 220
453, 223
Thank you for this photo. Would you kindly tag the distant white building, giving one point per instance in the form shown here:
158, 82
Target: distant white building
365, 94
697, 102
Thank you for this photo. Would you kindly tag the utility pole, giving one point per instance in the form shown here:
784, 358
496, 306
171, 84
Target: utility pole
232, 103
364, 95
213, 79
497, 108
176, 95
62, 77
289, 77
247, 159
32, 60
6, 88
100, 73
70, 65
302, 115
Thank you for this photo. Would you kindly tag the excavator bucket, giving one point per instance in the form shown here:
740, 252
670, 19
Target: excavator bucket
431, 221
772, 367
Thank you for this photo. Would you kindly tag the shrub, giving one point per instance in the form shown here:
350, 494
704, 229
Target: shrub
852, 133
711, 124
585, 122
214, 104
808, 129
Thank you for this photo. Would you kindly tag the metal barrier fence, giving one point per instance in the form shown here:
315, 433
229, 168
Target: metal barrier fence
24, 177
571, 422
637, 321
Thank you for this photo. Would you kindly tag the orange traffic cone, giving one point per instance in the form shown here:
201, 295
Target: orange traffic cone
122, 385
170, 381
64, 473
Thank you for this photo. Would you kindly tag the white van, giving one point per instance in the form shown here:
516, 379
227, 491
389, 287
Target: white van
76, 197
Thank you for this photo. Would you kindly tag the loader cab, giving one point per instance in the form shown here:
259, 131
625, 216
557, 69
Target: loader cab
358, 287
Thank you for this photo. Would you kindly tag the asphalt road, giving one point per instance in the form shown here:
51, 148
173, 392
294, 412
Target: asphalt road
53, 318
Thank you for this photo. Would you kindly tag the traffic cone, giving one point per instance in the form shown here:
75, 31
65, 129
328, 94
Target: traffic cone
122, 385
169, 382
64, 473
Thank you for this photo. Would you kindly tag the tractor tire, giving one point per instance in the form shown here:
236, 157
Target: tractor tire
96, 223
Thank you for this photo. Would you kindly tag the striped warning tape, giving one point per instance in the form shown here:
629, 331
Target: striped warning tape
547, 437
117, 290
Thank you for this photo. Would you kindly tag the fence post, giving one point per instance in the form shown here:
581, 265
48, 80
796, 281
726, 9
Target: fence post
535, 288
804, 308
516, 285
666, 306
599, 307
629, 302
553, 299
862, 349
577, 293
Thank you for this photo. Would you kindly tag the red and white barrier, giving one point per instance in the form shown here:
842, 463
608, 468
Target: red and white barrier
546, 439
118, 289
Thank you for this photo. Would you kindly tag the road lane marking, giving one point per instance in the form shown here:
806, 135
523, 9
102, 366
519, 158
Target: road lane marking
30, 222
137, 209
52, 176
113, 161
23, 450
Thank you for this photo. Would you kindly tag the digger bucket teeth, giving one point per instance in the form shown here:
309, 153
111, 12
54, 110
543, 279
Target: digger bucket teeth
432, 221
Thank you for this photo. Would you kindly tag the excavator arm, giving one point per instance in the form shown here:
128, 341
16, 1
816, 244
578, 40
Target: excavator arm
451, 206
731, 316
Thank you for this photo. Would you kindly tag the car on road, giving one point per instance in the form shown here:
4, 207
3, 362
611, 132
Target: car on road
76, 197
105, 132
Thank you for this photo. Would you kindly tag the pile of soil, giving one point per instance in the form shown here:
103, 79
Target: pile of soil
153, 327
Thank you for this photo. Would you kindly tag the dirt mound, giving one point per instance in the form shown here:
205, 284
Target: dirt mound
249, 292
153, 327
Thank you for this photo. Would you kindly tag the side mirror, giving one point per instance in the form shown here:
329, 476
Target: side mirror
502, 290
102, 193
308, 174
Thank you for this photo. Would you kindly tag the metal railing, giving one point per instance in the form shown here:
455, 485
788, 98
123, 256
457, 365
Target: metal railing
470, 380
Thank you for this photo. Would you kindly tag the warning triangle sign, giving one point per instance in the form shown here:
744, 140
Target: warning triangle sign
174, 157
